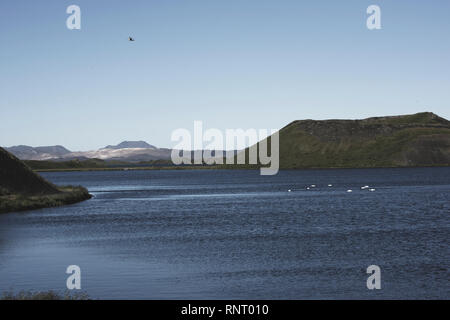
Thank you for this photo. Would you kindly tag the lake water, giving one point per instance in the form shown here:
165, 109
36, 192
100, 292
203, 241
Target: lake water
233, 234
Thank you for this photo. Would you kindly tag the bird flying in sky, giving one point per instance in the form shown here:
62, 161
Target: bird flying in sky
130, 39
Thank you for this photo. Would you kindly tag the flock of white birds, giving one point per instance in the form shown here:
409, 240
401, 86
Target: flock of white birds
330, 185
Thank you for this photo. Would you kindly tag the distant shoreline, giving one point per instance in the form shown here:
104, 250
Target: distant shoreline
219, 167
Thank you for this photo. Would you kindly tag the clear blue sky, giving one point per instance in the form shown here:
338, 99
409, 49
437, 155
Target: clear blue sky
229, 63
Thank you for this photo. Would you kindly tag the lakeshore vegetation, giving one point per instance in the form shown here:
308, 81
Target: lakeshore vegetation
22, 189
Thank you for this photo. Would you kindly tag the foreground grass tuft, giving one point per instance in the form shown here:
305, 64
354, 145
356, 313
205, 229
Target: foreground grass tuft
43, 295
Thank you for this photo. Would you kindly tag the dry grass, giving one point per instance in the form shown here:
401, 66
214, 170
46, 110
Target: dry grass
44, 295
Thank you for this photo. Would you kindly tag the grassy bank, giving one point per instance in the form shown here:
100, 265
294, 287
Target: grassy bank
21, 202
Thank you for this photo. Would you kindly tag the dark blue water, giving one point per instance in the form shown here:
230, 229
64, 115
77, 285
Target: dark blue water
206, 234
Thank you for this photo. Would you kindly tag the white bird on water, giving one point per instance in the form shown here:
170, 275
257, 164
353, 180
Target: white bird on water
330, 185
349, 190
372, 189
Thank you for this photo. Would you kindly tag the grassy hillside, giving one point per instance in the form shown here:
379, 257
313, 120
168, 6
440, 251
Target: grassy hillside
17, 178
22, 189
421, 139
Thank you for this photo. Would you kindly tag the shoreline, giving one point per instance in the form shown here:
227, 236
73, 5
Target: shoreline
18, 202
222, 167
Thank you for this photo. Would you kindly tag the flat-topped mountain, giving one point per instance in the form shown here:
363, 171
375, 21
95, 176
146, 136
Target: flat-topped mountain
131, 144
421, 139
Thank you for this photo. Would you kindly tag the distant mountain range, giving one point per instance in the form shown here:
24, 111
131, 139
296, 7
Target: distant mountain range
421, 139
38, 153
132, 151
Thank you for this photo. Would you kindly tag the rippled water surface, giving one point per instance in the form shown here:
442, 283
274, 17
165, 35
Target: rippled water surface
206, 234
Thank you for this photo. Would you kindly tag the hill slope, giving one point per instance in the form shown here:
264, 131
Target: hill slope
421, 139
16, 177
22, 189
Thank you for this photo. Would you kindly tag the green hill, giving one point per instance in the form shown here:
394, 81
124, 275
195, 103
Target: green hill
17, 178
22, 189
421, 139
